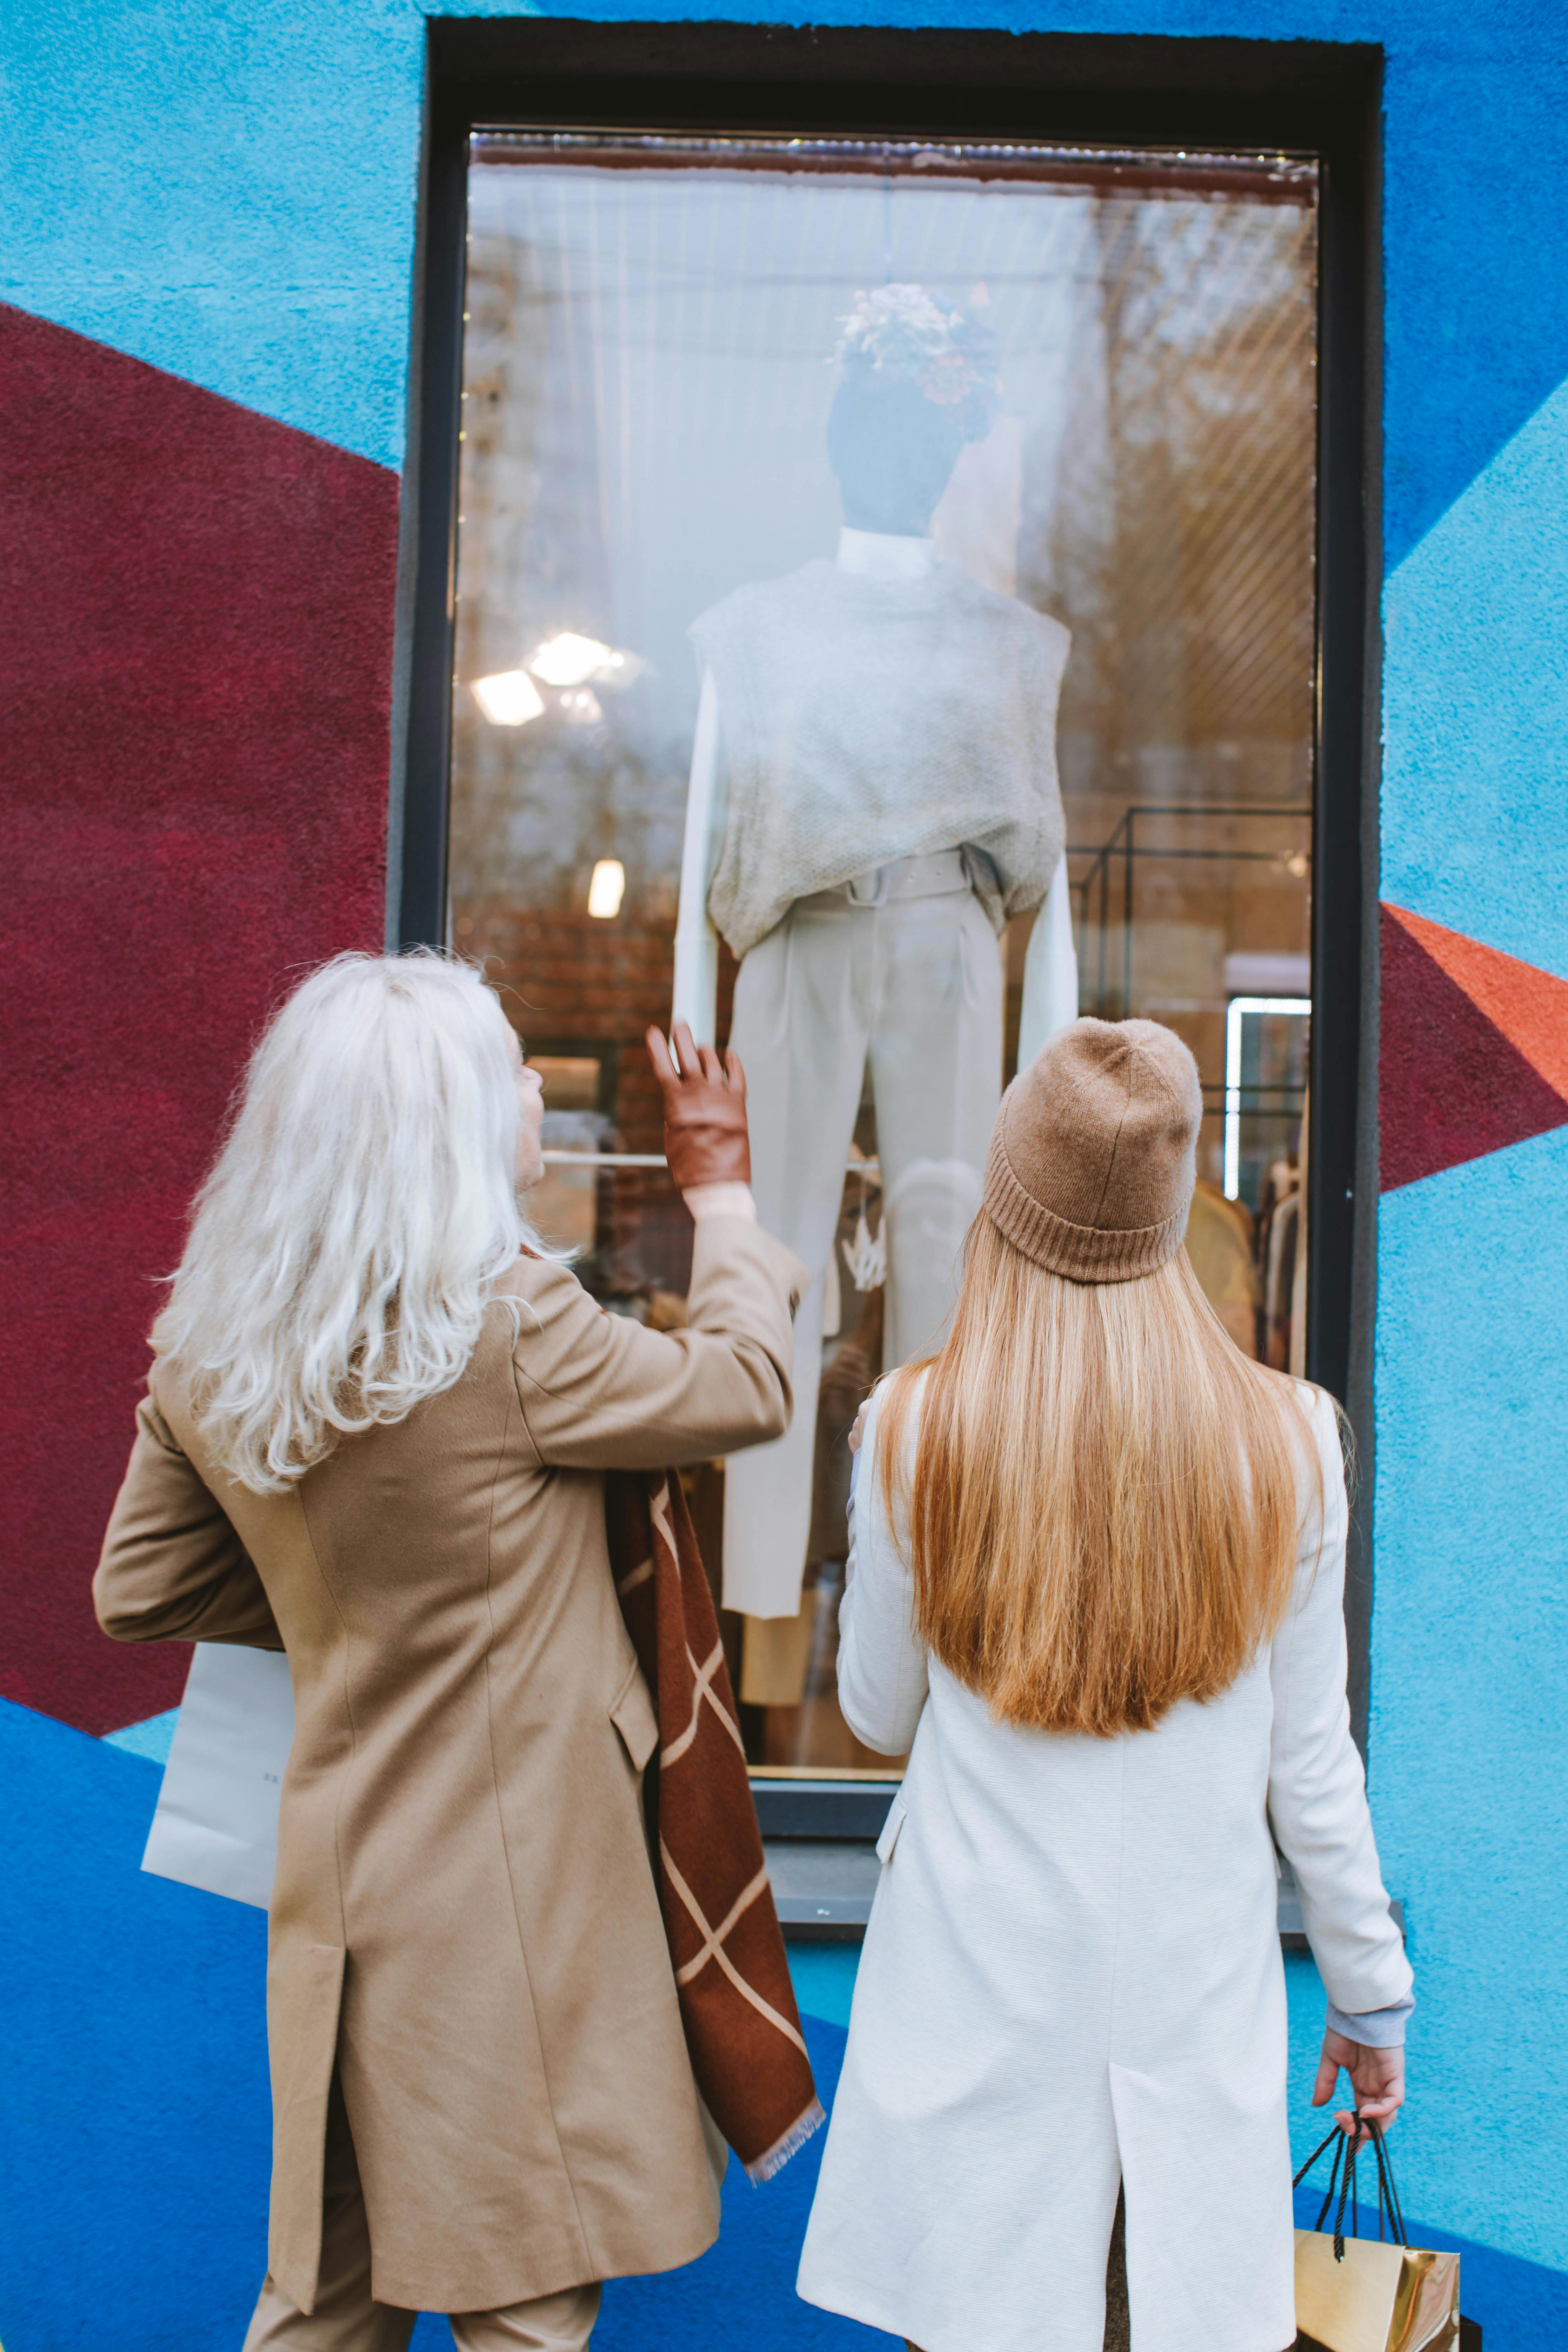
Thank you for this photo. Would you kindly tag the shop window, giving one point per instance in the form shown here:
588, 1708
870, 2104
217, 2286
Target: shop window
885, 627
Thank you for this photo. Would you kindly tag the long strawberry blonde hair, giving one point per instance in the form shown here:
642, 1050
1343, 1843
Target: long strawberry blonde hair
1104, 1495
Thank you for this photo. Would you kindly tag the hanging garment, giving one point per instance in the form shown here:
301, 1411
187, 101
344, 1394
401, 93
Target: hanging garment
867, 720
1279, 1281
848, 1379
915, 987
775, 1655
1219, 1246
1072, 1980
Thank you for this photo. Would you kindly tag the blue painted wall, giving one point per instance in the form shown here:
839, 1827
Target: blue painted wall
134, 2162
228, 192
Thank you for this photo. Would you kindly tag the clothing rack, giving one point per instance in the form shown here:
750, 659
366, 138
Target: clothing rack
1118, 857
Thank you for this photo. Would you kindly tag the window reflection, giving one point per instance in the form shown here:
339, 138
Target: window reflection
885, 627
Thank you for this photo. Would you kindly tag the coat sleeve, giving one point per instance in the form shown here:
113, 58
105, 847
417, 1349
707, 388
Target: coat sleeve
1317, 1789
172, 1568
882, 1668
599, 1392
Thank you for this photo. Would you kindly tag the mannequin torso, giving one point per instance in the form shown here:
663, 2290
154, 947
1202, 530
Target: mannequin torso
1050, 969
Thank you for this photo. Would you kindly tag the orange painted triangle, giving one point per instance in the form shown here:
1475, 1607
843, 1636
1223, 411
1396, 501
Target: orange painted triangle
1528, 1005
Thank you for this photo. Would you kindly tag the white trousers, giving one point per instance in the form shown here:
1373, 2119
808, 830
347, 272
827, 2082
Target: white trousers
348, 2319
913, 987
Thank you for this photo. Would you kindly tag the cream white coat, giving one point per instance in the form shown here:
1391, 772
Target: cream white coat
1072, 1977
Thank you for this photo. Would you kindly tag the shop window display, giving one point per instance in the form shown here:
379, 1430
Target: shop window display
885, 629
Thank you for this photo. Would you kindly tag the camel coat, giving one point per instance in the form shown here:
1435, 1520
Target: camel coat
1072, 1980
464, 1920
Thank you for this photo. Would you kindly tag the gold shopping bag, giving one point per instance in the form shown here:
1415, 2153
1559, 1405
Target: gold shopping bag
1372, 2295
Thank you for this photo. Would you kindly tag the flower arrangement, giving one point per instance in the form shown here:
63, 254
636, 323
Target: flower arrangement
903, 335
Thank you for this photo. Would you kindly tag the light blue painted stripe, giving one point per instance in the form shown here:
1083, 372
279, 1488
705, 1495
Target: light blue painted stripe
228, 192
824, 1976
1475, 779
152, 1738
228, 195
1469, 1680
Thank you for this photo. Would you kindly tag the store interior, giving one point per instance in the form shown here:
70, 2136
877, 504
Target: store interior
649, 370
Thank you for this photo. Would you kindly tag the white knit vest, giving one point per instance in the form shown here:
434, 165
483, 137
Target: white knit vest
866, 720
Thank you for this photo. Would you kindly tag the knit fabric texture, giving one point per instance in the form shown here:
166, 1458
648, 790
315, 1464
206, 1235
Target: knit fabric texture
867, 719
1093, 1158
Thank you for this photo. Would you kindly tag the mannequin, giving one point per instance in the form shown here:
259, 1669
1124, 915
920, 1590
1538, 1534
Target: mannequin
872, 793
1050, 961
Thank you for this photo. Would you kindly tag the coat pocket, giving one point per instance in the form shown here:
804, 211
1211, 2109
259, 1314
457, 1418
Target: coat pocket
635, 1719
896, 1812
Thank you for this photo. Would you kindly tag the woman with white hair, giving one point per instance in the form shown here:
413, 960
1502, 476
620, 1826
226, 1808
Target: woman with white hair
375, 1436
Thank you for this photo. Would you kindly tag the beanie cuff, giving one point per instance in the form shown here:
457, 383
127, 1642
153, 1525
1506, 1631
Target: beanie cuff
1080, 1252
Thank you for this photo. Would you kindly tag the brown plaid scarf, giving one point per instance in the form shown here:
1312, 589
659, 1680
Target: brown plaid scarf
737, 2003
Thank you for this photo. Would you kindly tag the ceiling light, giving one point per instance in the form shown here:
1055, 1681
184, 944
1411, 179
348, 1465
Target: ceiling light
510, 698
620, 671
580, 707
567, 660
607, 888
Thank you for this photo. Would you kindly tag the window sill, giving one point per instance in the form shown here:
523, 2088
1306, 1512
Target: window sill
819, 1842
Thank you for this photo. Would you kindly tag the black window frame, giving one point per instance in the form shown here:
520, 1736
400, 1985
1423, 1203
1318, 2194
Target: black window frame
1321, 99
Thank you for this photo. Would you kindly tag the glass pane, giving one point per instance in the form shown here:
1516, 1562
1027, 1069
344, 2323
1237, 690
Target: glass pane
885, 625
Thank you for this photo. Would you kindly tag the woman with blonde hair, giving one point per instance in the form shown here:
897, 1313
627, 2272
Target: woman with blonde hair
375, 1436
1096, 1590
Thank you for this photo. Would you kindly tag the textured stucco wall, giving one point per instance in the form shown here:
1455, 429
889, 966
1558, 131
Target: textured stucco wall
1470, 1733
196, 644
226, 192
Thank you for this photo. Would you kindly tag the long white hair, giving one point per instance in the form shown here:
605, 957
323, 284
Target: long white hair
355, 1223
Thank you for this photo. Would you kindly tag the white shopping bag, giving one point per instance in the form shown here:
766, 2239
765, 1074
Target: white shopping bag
217, 1821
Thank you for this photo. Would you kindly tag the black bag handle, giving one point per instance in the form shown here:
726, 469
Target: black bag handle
1390, 2215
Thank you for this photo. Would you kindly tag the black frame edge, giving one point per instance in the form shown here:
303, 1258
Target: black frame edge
1360, 1394
435, 403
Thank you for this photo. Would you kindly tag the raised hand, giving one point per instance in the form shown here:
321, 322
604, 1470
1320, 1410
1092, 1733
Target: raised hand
705, 1137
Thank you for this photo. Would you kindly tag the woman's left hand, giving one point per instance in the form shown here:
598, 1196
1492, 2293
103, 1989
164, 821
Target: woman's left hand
1377, 2078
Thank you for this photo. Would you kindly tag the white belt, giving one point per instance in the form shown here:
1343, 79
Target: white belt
932, 877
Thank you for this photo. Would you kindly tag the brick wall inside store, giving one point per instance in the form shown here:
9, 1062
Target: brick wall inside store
570, 979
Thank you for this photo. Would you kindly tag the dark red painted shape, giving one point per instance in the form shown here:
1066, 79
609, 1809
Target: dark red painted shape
1450, 1086
196, 645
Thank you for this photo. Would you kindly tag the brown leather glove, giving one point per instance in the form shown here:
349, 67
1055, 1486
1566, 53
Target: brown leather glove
705, 1138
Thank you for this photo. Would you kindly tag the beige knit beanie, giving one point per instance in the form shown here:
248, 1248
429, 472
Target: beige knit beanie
1093, 1156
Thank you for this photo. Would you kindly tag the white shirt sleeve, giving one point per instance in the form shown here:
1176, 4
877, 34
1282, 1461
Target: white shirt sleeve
696, 992
1051, 971
1317, 1789
882, 1676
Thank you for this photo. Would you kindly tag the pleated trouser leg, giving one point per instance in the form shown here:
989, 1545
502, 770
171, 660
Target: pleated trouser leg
552, 2323
802, 1027
936, 1071
916, 987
